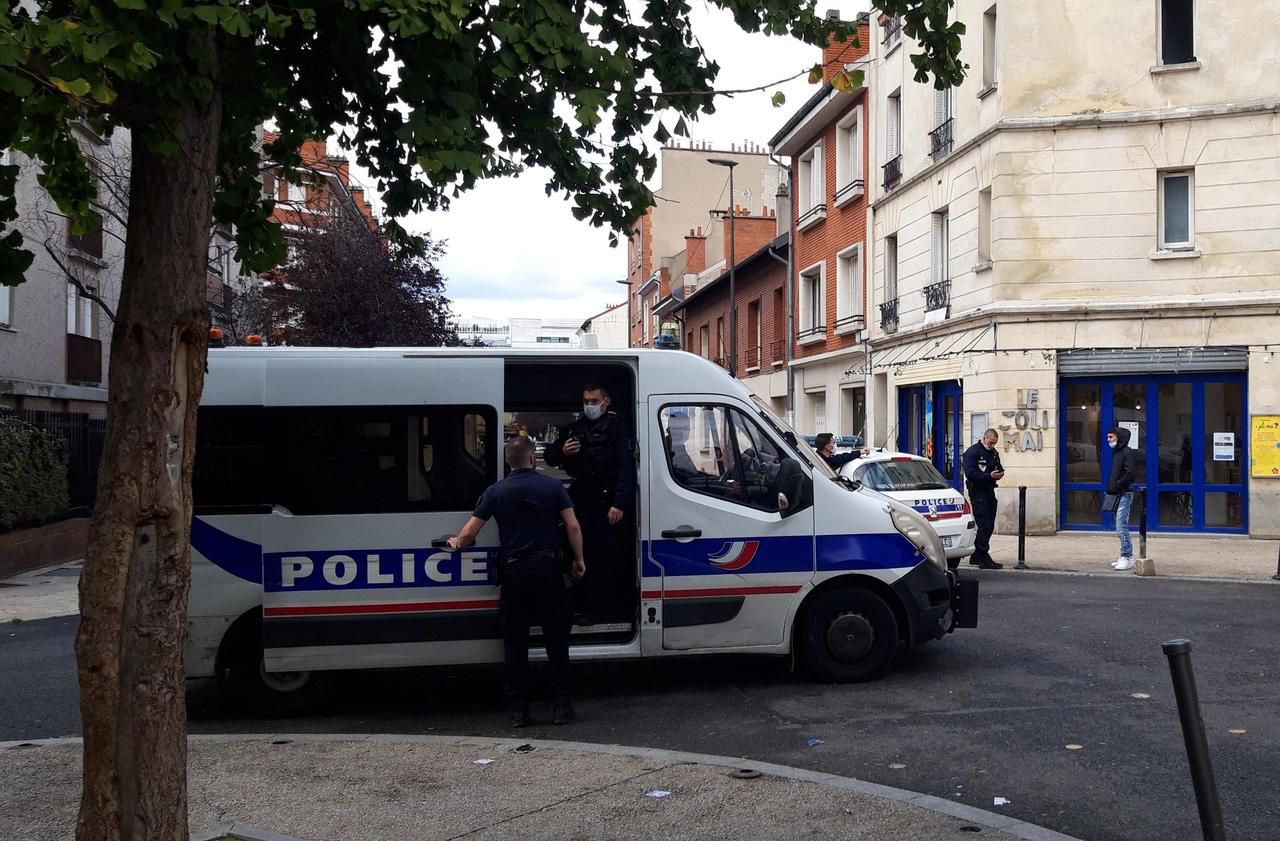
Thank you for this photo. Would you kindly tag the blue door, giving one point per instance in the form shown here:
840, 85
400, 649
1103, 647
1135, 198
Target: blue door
931, 425
1191, 434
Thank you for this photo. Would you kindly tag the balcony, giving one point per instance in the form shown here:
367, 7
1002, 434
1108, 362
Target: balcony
84, 360
811, 335
751, 358
811, 217
941, 141
776, 352
849, 324
850, 191
937, 296
889, 316
892, 173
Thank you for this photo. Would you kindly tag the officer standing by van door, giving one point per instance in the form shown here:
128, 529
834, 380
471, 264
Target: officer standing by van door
983, 472
596, 451
529, 508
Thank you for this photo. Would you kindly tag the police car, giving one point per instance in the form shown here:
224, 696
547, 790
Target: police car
915, 481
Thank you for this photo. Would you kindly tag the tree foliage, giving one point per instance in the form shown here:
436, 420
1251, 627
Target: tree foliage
431, 95
350, 288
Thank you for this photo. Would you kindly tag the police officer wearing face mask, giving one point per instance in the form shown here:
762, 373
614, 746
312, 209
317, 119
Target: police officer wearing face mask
983, 472
595, 451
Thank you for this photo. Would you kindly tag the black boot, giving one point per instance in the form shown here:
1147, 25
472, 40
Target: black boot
519, 712
564, 711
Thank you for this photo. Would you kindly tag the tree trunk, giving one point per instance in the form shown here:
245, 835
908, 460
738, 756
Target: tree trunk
133, 590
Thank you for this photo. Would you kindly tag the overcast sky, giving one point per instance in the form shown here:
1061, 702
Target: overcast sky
513, 251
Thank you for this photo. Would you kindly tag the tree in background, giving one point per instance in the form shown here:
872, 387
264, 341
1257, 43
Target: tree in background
348, 287
431, 96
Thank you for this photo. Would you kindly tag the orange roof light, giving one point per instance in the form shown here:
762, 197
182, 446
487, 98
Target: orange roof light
215, 334
253, 339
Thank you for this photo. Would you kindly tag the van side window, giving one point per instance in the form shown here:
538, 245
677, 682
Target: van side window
720, 452
316, 460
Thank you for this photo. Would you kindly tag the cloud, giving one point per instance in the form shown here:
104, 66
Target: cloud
514, 251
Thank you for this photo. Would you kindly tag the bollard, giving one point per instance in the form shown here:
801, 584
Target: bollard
1022, 527
1184, 690
1142, 525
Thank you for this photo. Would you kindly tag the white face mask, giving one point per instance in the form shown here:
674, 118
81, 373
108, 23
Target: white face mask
1112, 444
593, 413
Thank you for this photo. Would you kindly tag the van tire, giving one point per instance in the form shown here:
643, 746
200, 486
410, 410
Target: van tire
848, 635
256, 691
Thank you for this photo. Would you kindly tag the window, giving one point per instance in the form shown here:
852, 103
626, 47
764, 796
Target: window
704, 341
812, 184
721, 452
88, 244
941, 139
989, 49
755, 336
345, 460
6, 306
891, 267
893, 125
720, 358
984, 226
553, 340
81, 314
892, 32
849, 289
1177, 209
1177, 31
812, 325
269, 185
941, 251
818, 406
849, 180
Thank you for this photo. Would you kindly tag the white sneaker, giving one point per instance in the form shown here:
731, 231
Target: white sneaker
1116, 562
1124, 565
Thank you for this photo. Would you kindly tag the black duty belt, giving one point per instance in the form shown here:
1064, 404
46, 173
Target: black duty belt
535, 555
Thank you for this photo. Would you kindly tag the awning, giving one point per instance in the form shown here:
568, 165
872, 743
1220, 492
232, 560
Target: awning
941, 347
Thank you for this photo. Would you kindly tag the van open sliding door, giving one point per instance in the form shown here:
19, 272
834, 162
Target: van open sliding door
378, 458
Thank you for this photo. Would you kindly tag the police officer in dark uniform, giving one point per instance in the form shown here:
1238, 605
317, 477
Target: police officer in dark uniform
596, 451
529, 508
983, 472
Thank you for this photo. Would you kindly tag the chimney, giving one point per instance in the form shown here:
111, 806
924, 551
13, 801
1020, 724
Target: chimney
782, 203
695, 251
839, 53
752, 232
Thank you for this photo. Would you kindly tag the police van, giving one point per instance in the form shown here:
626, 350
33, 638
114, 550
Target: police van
327, 482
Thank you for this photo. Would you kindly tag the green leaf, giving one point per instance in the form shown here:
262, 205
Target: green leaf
76, 87
779, 99
104, 94
208, 14
135, 5
662, 135
815, 74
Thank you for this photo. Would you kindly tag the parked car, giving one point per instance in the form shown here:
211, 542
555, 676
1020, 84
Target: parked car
914, 481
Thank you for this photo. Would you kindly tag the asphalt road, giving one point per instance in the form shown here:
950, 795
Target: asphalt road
983, 714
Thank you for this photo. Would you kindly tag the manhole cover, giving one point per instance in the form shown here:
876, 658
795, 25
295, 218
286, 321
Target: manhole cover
745, 774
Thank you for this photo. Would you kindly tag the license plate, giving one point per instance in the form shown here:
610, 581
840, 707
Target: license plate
947, 542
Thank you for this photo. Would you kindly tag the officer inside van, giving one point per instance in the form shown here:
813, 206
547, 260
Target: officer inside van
595, 450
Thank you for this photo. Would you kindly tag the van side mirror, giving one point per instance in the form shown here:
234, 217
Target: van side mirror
790, 438
795, 489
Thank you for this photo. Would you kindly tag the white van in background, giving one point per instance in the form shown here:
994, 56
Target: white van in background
327, 481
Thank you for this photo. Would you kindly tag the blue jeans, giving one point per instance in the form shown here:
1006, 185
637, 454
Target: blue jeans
1122, 524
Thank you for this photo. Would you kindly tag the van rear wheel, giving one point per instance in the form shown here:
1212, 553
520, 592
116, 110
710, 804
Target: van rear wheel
270, 693
849, 635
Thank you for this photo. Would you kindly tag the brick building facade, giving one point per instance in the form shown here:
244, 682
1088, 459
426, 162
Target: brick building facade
827, 142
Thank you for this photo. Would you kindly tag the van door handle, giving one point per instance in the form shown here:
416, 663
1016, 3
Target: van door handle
682, 532
442, 543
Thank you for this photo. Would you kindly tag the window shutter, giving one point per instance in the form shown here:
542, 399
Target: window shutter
941, 106
895, 117
935, 237
855, 146
818, 173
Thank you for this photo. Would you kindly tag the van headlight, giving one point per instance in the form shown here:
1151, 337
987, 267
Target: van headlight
922, 536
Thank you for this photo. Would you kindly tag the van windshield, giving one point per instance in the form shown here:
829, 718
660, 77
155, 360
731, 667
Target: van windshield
904, 475
806, 453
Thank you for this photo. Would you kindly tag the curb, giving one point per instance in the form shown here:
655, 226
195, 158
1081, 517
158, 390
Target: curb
1123, 577
970, 814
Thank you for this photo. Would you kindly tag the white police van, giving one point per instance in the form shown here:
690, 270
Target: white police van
914, 481
327, 481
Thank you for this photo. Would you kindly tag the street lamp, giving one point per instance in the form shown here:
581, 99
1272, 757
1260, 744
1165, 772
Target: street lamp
627, 283
733, 292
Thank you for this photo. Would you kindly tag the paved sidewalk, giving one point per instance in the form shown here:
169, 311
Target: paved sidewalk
1199, 557
42, 594
353, 788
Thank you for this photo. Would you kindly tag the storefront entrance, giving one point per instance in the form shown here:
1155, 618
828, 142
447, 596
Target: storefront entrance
931, 425
1190, 432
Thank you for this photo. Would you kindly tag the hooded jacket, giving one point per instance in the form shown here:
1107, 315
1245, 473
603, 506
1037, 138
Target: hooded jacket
1124, 464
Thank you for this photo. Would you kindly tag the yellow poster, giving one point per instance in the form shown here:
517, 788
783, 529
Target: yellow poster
1264, 446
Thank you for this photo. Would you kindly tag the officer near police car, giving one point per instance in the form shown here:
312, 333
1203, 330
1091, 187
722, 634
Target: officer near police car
595, 450
531, 571
982, 473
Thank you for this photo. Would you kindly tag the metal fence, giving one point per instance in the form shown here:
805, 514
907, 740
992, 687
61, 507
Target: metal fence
84, 437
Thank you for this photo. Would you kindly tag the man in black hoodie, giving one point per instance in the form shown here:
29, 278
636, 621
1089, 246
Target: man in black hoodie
1124, 472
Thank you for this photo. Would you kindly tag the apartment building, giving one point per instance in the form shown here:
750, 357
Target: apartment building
1085, 234
607, 329
826, 141
55, 327
693, 196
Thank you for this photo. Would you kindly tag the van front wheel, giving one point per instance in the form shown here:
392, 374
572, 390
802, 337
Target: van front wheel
849, 635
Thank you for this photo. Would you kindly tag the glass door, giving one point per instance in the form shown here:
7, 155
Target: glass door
949, 399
